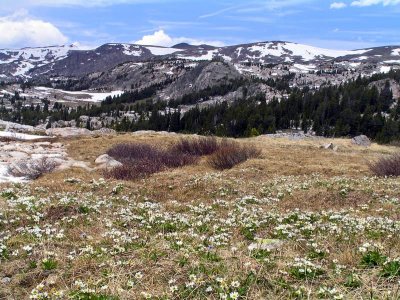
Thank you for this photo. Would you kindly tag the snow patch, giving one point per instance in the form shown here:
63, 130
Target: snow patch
132, 50
209, 55
391, 62
354, 64
304, 51
303, 68
161, 50
89, 96
396, 52
385, 69
27, 58
4, 177
21, 136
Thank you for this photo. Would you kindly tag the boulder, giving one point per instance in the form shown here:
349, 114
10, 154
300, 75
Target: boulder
361, 140
105, 161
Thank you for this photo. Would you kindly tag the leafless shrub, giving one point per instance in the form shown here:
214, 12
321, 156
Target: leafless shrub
197, 146
141, 160
6, 139
387, 166
128, 152
231, 154
32, 169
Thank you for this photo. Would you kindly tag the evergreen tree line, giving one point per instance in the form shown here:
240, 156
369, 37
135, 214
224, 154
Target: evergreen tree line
355, 107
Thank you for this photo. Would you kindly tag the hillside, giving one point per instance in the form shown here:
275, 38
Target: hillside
231, 91
194, 232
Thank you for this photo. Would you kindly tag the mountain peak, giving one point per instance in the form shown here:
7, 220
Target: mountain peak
183, 46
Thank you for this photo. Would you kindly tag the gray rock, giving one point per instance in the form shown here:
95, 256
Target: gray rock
266, 244
18, 155
6, 280
106, 162
361, 140
104, 131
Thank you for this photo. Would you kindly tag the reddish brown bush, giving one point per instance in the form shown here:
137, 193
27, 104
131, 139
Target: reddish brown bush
387, 166
141, 160
197, 146
130, 152
130, 171
231, 154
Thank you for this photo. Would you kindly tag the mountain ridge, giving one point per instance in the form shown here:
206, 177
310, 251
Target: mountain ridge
71, 61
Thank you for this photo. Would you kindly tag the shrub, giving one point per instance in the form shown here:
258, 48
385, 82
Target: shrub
141, 160
32, 169
197, 146
372, 259
129, 152
49, 264
6, 139
391, 268
231, 154
353, 281
387, 166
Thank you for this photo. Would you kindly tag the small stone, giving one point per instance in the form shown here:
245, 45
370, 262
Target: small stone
6, 280
266, 244
329, 146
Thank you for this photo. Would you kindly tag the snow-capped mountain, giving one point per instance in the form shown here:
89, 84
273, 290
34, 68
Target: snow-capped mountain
70, 61
272, 52
20, 62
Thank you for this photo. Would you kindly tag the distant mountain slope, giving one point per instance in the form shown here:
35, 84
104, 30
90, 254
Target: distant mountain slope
20, 62
70, 61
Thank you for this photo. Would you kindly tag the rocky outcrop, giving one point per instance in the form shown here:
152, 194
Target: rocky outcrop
68, 132
203, 76
18, 159
74, 131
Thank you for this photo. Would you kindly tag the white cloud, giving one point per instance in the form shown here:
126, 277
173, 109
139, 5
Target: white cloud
375, 2
160, 38
21, 30
338, 5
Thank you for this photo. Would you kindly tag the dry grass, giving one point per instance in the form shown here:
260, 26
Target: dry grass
285, 174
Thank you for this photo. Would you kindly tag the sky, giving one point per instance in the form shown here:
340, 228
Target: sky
340, 24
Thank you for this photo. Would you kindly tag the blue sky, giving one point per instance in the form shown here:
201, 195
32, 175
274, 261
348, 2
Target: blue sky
346, 24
